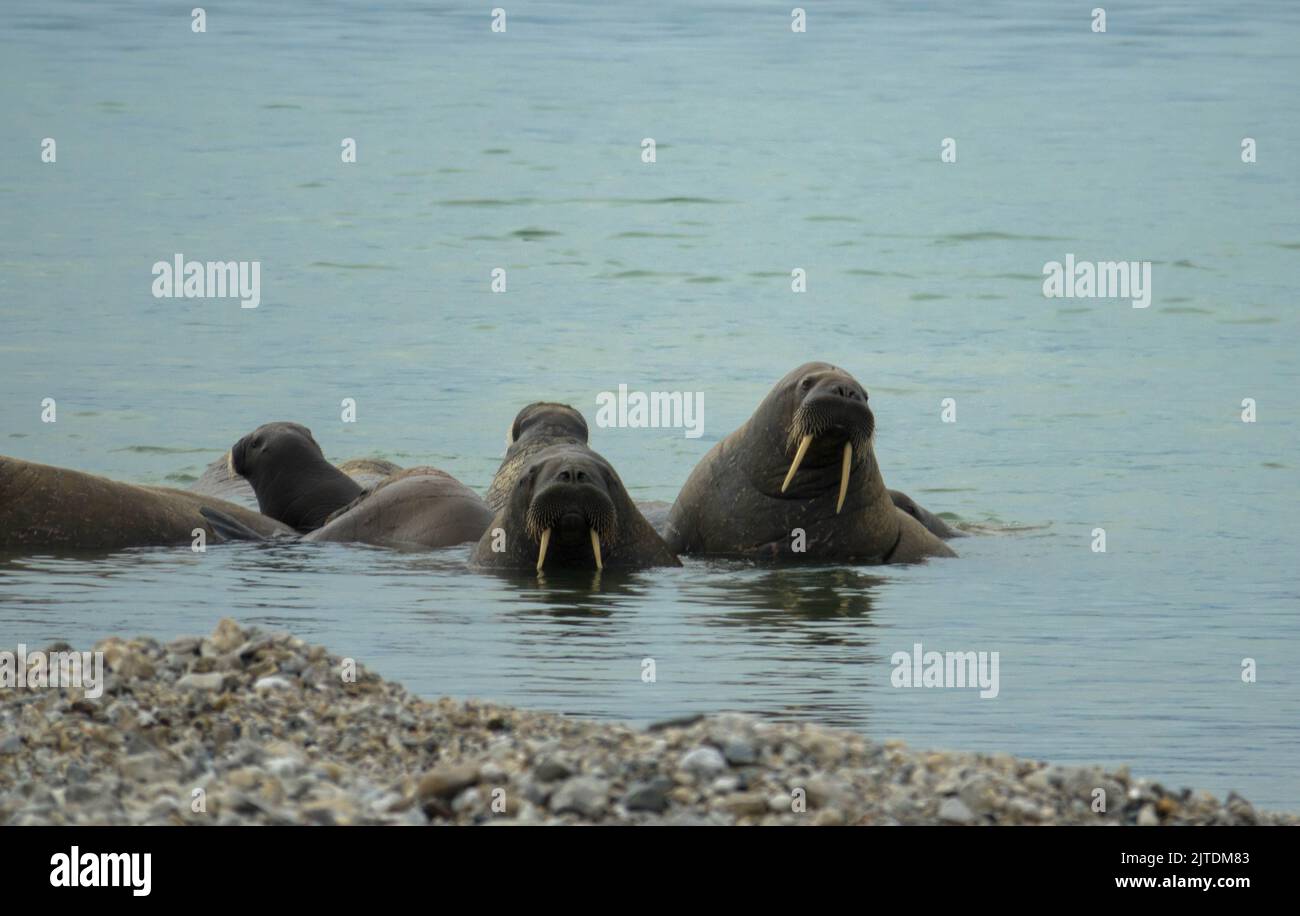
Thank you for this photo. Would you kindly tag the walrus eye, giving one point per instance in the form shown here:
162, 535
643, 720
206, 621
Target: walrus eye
806, 384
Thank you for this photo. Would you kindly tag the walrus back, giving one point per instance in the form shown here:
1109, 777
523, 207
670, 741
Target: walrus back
42, 506
422, 508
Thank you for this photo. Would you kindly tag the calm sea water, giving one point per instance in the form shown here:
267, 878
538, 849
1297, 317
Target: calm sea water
774, 151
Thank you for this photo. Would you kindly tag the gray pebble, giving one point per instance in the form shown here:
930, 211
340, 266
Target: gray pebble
954, 811
702, 762
648, 796
740, 752
583, 795
212, 681
550, 770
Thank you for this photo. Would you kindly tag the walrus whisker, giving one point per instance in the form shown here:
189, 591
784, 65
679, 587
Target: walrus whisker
844, 476
541, 551
798, 459
595, 547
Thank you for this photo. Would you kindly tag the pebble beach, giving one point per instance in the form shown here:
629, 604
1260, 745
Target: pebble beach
249, 727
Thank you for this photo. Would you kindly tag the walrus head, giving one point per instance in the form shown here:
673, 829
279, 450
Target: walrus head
567, 502
282, 445
288, 472
550, 420
827, 428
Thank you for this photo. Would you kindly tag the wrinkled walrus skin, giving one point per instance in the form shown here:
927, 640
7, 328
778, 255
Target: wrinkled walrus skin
44, 507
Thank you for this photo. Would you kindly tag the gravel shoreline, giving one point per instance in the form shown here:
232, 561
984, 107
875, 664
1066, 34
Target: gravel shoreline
251, 727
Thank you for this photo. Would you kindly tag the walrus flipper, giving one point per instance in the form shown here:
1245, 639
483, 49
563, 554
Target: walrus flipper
935, 525
230, 528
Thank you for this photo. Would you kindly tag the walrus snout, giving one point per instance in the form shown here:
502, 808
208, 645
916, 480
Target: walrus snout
843, 388
833, 418
237, 463
833, 413
569, 506
570, 516
243, 452
824, 415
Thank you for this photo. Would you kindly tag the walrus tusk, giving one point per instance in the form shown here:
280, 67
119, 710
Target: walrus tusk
595, 547
798, 459
844, 476
230, 463
541, 552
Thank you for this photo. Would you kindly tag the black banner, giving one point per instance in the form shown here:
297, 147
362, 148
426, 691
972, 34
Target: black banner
306, 864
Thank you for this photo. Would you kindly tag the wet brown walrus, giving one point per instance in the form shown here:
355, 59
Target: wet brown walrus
566, 508
43, 507
800, 473
220, 481
413, 508
288, 472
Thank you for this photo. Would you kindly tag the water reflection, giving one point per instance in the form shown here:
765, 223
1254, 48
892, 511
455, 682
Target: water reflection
819, 605
771, 594
573, 593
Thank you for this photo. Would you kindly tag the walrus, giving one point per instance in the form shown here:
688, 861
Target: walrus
220, 481
293, 482
419, 507
799, 481
539, 426
567, 509
42, 506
